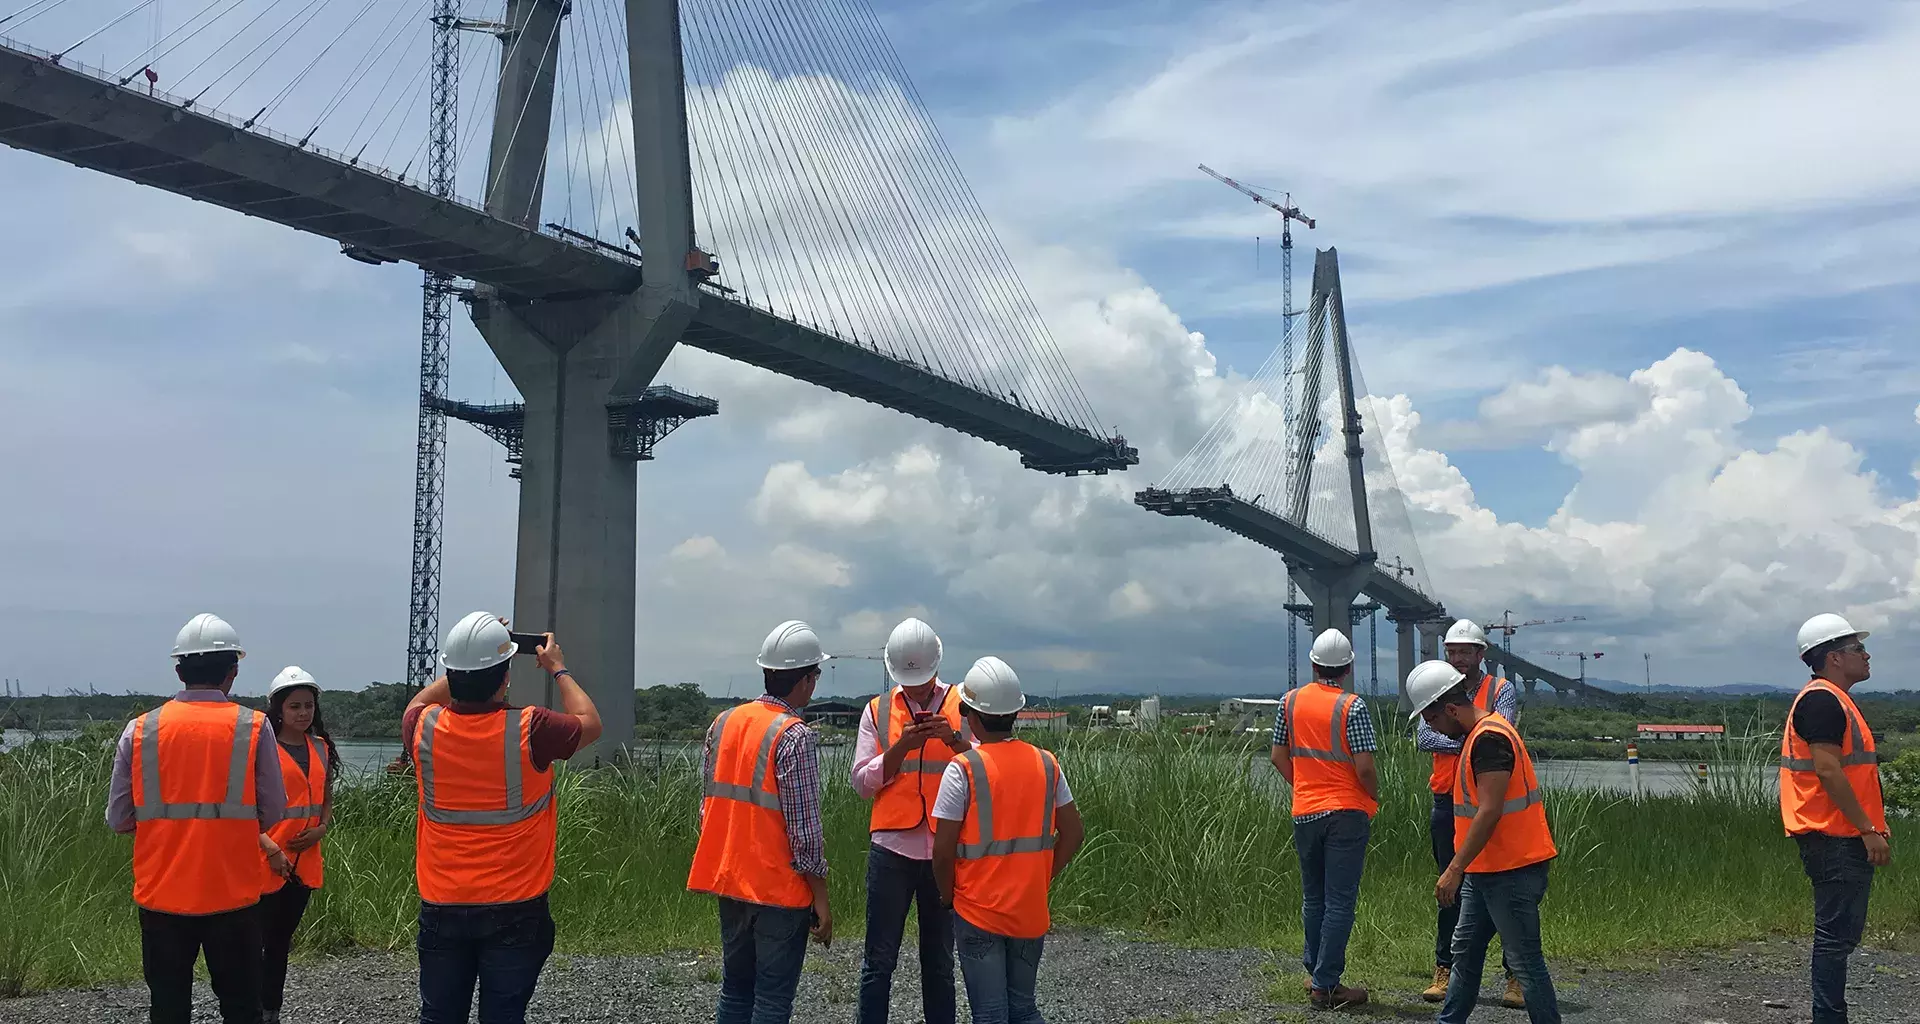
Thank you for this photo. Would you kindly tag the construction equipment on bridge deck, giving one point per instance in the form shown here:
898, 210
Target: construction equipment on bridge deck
1506, 626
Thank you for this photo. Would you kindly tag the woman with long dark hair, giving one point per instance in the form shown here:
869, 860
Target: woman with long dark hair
308, 762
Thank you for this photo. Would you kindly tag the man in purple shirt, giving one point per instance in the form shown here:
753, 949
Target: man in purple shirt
207, 657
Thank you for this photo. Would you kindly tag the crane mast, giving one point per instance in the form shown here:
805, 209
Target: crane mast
1288, 214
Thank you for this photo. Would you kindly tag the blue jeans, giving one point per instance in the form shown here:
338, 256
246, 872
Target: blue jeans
895, 883
1333, 850
1841, 876
1001, 973
1507, 902
1440, 830
503, 946
762, 949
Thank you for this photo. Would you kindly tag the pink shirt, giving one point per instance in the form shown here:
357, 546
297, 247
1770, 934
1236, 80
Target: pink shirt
869, 777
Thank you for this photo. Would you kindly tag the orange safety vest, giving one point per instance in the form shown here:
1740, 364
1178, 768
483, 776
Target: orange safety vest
906, 800
743, 852
1521, 837
1804, 803
1324, 778
1004, 862
486, 822
1446, 765
196, 838
306, 801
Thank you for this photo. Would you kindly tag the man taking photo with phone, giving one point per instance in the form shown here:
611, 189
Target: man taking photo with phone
487, 823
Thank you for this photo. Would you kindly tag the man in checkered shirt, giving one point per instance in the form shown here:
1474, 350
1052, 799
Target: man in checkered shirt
1323, 744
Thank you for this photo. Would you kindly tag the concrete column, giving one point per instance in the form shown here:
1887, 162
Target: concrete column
574, 572
1332, 597
1406, 658
523, 111
1430, 634
660, 154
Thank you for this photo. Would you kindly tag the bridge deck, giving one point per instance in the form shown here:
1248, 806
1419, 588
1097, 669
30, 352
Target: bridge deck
83, 117
1221, 507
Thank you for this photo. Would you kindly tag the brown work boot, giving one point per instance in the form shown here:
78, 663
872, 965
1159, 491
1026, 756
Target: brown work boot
1513, 998
1339, 997
1438, 990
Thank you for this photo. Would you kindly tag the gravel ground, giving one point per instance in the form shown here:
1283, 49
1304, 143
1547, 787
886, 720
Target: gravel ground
1085, 979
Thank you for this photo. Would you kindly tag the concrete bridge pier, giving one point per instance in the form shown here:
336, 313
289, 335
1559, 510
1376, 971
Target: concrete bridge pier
1332, 595
574, 570
1404, 627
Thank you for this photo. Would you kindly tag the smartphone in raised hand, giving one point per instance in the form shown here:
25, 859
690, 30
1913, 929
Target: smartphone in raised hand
530, 643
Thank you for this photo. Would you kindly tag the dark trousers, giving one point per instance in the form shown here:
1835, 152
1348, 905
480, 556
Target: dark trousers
1333, 852
1440, 831
1001, 972
169, 944
895, 883
280, 914
502, 946
1506, 903
761, 952
1842, 878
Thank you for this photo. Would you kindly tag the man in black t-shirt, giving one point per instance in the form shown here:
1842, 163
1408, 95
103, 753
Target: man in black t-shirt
1831, 803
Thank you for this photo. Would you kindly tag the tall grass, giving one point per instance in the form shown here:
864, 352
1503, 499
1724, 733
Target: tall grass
1188, 840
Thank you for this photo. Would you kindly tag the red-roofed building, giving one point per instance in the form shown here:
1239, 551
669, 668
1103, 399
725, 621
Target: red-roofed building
1053, 721
1681, 732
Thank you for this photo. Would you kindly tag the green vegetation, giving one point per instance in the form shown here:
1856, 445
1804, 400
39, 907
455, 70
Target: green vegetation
1189, 841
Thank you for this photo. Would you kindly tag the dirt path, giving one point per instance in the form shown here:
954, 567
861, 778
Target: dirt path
1085, 979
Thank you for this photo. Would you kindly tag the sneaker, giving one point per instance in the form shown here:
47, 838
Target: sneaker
1438, 990
1339, 997
1513, 998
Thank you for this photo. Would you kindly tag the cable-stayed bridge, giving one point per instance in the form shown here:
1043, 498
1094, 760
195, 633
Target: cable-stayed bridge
1317, 485
755, 178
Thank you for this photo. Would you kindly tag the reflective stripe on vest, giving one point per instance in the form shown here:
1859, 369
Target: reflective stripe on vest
1860, 755
756, 793
512, 811
1805, 805
1522, 836
1336, 731
991, 843
232, 806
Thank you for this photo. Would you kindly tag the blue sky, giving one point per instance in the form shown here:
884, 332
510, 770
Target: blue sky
1608, 253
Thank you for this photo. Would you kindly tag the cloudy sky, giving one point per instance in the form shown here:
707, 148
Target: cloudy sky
1635, 287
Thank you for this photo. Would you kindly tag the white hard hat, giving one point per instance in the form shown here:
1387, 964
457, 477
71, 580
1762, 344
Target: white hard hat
791, 645
913, 653
1824, 627
991, 688
207, 633
478, 641
1466, 632
1331, 649
1428, 681
290, 677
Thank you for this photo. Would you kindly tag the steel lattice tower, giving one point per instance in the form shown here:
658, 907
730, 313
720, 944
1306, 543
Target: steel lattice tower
436, 320
1286, 378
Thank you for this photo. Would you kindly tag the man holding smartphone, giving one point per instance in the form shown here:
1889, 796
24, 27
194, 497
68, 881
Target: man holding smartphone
487, 821
907, 737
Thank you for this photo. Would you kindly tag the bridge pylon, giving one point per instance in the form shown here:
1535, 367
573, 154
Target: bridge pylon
571, 358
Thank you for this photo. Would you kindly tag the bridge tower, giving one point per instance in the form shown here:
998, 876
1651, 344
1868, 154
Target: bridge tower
571, 359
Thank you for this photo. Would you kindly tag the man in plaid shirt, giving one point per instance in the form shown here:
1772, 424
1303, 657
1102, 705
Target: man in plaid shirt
1323, 744
762, 847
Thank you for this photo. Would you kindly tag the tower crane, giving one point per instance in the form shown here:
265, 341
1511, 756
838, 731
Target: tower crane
1288, 214
862, 656
1506, 626
1583, 656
